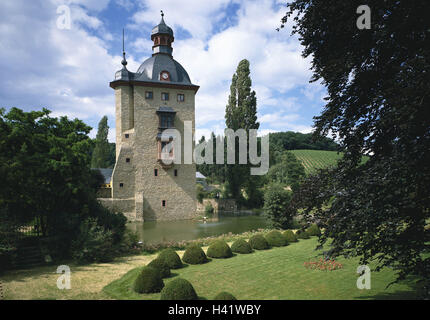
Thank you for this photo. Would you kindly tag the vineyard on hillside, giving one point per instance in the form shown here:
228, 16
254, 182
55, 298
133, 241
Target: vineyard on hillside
316, 159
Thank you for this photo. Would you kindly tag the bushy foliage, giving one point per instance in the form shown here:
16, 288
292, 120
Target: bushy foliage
171, 258
276, 201
219, 249
47, 178
276, 239
377, 104
290, 236
94, 243
302, 234
209, 210
289, 140
148, 281
178, 289
313, 230
200, 193
194, 254
288, 170
224, 296
161, 267
241, 246
258, 242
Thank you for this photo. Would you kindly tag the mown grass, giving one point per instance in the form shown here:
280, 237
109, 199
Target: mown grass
277, 273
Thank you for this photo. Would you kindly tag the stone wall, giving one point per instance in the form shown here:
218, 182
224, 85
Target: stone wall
104, 193
125, 206
219, 205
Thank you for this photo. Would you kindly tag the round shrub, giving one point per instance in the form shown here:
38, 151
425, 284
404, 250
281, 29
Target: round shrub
194, 255
161, 267
219, 249
302, 234
241, 246
148, 281
171, 258
313, 230
258, 242
178, 289
276, 239
224, 296
290, 236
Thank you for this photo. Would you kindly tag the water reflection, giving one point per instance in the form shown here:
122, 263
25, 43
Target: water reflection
157, 231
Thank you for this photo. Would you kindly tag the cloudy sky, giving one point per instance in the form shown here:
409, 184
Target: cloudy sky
68, 70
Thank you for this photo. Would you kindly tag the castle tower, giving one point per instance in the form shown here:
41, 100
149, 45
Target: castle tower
158, 96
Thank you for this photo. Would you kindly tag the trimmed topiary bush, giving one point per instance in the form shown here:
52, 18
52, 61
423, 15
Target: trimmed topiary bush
171, 258
258, 242
219, 249
313, 230
194, 254
302, 234
290, 236
178, 289
161, 267
241, 246
148, 281
276, 239
224, 296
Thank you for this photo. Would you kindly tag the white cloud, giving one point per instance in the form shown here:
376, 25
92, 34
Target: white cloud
69, 71
196, 17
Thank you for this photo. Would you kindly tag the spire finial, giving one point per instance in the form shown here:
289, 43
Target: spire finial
162, 13
124, 61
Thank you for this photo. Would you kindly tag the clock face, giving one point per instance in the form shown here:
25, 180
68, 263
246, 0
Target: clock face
165, 75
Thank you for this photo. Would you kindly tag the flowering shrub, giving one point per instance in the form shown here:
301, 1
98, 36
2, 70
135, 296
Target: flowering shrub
324, 265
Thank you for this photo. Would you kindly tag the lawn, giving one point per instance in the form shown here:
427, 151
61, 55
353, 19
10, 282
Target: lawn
277, 273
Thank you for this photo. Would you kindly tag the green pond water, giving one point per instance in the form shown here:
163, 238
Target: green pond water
153, 231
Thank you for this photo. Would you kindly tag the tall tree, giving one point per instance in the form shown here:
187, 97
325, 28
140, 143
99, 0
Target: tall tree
102, 150
378, 83
240, 113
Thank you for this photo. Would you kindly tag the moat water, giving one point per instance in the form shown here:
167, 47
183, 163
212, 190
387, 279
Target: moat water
153, 231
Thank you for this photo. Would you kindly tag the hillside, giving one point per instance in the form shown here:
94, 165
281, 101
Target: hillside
316, 159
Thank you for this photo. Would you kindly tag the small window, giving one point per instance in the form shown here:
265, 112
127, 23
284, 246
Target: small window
156, 172
166, 121
127, 159
176, 172
148, 95
121, 185
127, 135
163, 203
181, 97
165, 96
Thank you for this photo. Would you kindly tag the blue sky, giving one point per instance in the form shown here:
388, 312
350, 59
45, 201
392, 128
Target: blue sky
68, 70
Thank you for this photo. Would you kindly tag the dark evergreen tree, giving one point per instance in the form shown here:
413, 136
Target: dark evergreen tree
378, 83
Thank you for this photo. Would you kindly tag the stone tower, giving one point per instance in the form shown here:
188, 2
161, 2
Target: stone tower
158, 96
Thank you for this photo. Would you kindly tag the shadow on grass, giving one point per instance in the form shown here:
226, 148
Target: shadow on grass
412, 294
